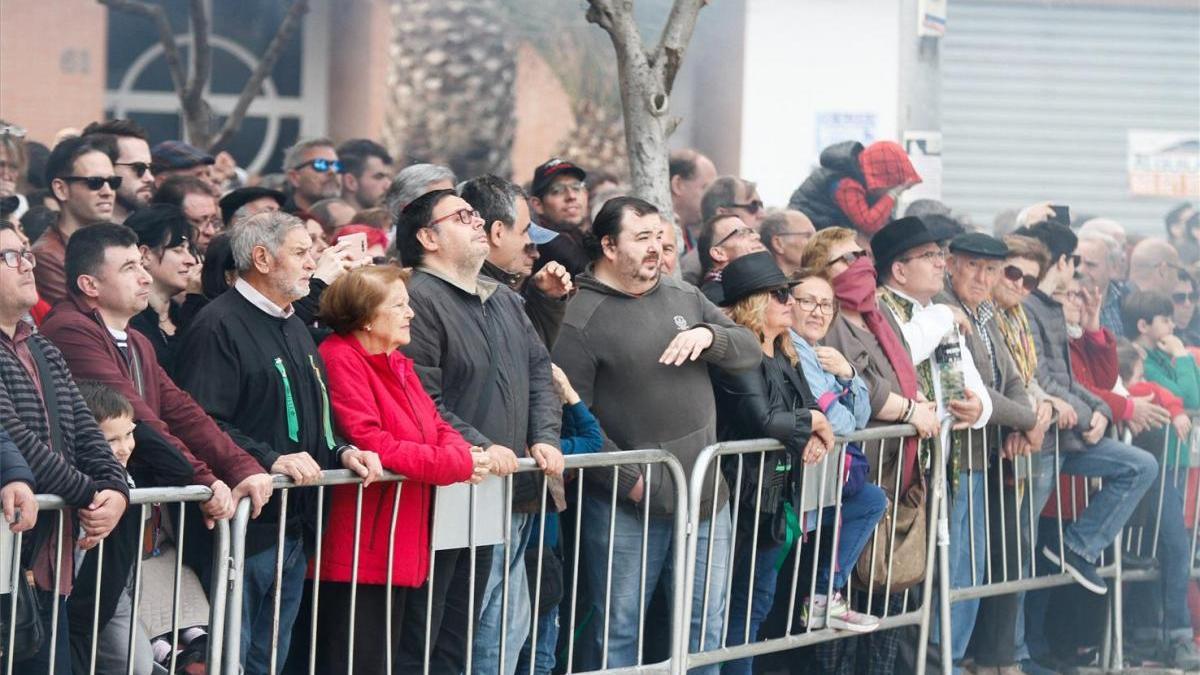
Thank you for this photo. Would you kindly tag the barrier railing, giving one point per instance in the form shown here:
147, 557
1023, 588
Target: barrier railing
1003, 508
122, 651
817, 628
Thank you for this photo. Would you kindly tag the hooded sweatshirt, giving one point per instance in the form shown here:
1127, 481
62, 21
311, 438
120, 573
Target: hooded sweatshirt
609, 348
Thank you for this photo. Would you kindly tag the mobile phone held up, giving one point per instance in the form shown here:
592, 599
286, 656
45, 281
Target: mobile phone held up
1062, 215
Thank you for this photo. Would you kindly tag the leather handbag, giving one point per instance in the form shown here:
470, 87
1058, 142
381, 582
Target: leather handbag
30, 632
898, 544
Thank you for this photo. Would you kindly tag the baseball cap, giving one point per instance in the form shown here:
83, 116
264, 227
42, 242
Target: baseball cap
540, 235
546, 173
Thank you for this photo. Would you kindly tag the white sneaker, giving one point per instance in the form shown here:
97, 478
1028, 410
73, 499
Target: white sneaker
841, 617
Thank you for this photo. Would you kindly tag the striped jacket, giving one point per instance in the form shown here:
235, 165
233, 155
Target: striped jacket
85, 465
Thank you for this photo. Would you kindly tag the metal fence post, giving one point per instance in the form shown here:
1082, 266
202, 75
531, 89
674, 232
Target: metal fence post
233, 604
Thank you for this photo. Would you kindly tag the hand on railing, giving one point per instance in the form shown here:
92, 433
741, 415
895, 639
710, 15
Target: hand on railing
20, 507
220, 506
821, 439
258, 488
482, 462
924, 419
299, 466
504, 460
364, 463
1183, 426
548, 458
1097, 428
100, 517
1067, 417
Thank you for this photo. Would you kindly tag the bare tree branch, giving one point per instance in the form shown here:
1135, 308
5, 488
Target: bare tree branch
676, 35
201, 55
166, 35
282, 36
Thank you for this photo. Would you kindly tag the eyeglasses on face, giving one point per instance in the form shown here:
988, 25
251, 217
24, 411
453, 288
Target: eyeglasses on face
139, 168
814, 306
1014, 273
1180, 298
465, 217
94, 183
849, 257
932, 255
13, 257
322, 165
561, 188
737, 232
750, 207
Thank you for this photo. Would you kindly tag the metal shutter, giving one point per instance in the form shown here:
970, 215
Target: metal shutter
1038, 99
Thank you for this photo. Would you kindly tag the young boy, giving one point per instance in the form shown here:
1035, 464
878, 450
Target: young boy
1168, 363
114, 415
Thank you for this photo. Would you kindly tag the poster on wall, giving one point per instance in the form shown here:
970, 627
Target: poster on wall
835, 127
924, 150
931, 18
1164, 163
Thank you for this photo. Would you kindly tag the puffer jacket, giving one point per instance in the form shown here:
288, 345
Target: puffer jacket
379, 405
814, 197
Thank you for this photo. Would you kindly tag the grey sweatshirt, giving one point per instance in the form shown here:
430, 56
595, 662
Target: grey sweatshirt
609, 347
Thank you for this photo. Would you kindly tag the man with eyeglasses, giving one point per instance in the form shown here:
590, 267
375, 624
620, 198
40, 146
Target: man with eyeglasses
559, 199
725, 196
724, 238
481, 360
133, 165
198, 201
80, 174
176, 158
1154, 265
313, 173
784, 233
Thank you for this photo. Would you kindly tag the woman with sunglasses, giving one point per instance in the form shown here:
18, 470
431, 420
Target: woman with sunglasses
770, 401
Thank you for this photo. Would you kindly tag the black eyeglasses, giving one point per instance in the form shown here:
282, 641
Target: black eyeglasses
750, 207
936, 254
849, 257
737, 232
465, 216
781, 295
814, 306
1180, 298
94, 183
322, 165
139, 168
13, 257
1014, 273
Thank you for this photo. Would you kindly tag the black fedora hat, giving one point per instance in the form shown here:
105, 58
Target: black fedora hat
896, 238
235, 200
750, 274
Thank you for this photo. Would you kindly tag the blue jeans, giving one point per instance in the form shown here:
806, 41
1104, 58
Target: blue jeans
1032, 605
627, 600
967, 526
1174, 549
859, 515
1127, 472
258, 605
547, 643
487, 635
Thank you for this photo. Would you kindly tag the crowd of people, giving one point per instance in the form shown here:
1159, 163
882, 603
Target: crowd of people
167, 320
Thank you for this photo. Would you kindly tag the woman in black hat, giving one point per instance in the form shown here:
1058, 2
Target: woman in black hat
771, 401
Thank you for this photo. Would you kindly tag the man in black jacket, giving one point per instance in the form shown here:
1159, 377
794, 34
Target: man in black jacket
252, 365
481, 360
513, 240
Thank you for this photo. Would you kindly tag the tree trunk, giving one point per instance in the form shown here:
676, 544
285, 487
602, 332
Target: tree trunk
646, 79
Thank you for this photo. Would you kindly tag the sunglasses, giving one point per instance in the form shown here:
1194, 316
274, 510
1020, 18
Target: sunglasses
781, 295
139, 168
94, 183
322, 165
1014, 273
739, 232
1180, 298
751, 207
850, 257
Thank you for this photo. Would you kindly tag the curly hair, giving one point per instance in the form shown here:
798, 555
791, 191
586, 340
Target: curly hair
750, 312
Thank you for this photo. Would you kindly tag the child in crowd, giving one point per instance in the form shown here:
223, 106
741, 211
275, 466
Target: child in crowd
114, 415
1149, 321
580, 434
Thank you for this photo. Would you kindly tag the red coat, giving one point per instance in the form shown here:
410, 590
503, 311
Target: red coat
1094, 362
379, 405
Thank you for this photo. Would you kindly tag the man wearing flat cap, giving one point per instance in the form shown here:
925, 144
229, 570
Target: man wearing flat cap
176, 158
1016, 428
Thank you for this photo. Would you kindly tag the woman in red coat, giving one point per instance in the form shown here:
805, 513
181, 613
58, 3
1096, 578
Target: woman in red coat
379, 405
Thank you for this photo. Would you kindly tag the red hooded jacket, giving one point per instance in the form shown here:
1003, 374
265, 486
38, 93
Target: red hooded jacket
379, 405
884, 166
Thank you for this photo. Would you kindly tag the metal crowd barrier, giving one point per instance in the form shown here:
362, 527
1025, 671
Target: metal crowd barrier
141, 502
649, 460
814, 477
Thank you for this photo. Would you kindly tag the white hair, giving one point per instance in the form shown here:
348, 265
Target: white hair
412, 182
267, 229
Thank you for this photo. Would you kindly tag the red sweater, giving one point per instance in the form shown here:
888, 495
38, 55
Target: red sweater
379, 405
92, 354
1162, 397
1094, 362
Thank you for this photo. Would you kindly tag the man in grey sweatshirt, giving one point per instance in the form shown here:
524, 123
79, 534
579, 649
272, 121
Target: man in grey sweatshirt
637, 346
